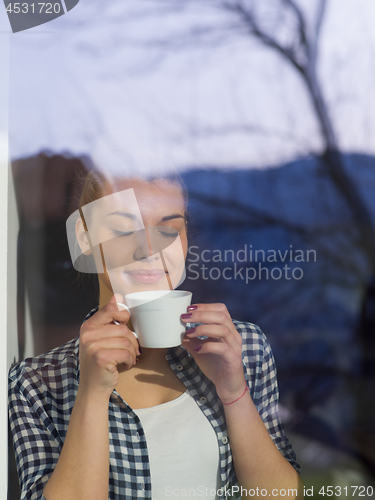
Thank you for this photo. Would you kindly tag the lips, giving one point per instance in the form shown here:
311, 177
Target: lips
147, 275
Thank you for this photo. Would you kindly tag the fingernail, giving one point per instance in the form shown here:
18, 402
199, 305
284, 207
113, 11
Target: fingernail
192, 308
190, 330
140, 349
186, 316
197, 348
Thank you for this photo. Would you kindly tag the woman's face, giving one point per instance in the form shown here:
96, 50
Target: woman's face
139, 236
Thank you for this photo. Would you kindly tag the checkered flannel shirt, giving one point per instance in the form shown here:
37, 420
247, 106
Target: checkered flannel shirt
42, 391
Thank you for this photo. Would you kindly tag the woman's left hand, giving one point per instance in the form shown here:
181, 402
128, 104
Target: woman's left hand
220, 355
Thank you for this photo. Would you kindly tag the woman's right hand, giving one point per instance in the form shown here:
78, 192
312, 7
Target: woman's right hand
103, 346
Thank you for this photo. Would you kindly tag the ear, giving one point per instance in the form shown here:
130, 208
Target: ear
82, 237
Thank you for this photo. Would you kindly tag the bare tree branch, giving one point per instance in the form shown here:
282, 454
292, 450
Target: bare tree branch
301, 21
316, 33
320, 17
266, 39
300, 52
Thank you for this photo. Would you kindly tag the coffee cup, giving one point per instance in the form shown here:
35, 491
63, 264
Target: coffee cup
156, 316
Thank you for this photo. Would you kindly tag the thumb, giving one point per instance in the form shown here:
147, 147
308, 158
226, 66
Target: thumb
116, 298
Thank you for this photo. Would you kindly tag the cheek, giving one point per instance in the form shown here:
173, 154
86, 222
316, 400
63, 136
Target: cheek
185, 245
176, 253
118, 252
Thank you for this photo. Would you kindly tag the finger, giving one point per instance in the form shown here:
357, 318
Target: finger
111, 358
220, 333
116, 298
217, 307
129, 340
106, 315
115, 343
107, 332
228, 355
209, 317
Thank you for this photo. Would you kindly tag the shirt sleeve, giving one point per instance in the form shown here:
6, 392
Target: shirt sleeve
36, 449
261, 373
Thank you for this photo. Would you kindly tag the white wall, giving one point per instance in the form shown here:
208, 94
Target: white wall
8, 245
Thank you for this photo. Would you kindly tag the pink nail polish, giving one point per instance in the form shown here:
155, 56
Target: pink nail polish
197, 348
192, 308
190, 330
186, 316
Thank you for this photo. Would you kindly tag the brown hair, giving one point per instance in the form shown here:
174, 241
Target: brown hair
95, 184
93, 187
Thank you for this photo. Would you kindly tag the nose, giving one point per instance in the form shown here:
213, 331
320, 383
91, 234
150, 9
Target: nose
144, 249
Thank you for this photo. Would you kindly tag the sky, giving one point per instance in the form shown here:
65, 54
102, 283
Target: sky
92, 77
88, 81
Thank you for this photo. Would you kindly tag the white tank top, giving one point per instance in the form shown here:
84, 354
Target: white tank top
182, 448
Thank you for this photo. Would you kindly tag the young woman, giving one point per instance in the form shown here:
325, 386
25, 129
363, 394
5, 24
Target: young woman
101, 418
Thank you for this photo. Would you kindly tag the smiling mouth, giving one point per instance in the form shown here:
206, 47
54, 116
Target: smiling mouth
147, 275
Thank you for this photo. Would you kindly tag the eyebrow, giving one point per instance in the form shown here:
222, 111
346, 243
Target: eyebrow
123, 214
134, 217
173, 216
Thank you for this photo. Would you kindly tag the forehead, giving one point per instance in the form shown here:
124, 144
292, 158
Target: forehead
154, 199
148, 202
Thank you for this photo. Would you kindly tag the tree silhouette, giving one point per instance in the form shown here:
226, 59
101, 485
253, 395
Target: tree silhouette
285, 28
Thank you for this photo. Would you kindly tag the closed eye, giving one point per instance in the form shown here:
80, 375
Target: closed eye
162, 231
168, 234
122, 233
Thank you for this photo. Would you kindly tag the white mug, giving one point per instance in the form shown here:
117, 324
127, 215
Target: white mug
156, 316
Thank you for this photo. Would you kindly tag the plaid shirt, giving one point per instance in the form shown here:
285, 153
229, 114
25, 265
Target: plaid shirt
42, 391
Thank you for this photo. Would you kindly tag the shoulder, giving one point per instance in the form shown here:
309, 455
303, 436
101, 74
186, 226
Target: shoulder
254, 341
261, 376
258, 361
50, 367
250, 330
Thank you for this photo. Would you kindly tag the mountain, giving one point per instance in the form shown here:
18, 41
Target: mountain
280, 248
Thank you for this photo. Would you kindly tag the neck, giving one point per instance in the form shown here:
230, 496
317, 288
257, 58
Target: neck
152, 359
